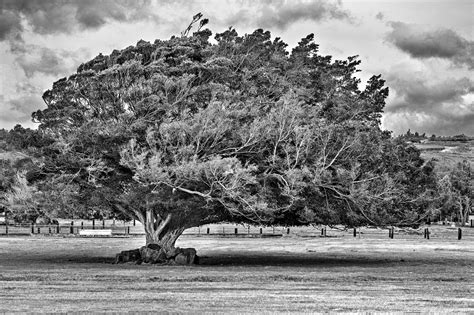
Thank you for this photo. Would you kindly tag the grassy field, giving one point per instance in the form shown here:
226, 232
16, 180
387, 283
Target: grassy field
242, 275
447, 154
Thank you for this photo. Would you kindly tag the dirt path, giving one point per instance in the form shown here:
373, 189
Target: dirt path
47, 274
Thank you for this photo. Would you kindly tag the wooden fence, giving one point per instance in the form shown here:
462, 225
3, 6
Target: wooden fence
121, 228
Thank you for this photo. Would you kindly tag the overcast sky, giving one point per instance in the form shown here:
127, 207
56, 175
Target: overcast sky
424, 49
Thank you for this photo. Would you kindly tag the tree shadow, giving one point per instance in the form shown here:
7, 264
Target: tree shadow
249, 259
293, 260
240, 259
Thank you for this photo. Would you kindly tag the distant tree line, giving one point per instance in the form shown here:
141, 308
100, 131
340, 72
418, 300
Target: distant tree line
23, 139
416, 137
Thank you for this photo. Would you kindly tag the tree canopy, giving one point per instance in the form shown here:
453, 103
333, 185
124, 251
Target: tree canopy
189, 131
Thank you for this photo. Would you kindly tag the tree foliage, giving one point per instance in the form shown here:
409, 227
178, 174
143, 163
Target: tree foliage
18, 198
456, 191
183, 132
23, 139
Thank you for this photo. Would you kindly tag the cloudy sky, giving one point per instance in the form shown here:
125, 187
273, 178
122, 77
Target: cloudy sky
424, 49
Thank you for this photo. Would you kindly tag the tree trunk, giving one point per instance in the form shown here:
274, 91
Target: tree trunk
464, 209
166, 239
161, 235
462, 220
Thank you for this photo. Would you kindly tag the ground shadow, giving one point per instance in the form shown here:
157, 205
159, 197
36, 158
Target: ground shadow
225, 259
292, 260
56, 259
241, 259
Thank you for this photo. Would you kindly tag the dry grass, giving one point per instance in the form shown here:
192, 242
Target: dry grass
241, 275
448, 159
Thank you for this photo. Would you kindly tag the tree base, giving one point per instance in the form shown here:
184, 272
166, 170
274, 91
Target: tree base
155, 254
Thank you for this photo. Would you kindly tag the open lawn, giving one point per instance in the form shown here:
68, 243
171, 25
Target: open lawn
241, 275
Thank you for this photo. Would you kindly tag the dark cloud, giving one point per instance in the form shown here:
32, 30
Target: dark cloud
442, 107
379, 16
63, 16
281, 14
415, 94
9, 23
34, 59
440, 43
25, 105
18, 110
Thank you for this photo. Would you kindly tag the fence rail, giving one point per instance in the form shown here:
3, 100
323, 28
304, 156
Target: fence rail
230, 230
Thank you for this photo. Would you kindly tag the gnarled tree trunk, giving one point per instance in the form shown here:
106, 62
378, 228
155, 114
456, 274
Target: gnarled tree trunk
161, 235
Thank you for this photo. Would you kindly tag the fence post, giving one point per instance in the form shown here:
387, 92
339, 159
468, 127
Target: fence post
427, 233
133, 222
57, 228
208, 230
261, 231
459, 234
93, 224
355, 232
248, 229
236, 230
6, 227
472, 223
103, 224
128, 230
273, 230
72, 227
49, 228
288, 231
32, 228
82, 225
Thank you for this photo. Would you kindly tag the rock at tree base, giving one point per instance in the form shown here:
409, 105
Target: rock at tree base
186, 256
154, 254
128, 256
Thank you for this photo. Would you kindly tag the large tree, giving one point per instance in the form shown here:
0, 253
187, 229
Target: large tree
185, 132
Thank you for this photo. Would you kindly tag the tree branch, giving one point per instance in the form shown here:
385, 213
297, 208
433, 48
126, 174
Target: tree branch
162, 225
